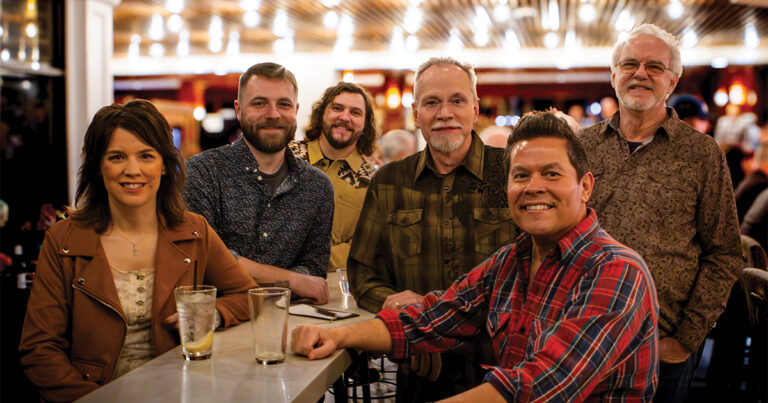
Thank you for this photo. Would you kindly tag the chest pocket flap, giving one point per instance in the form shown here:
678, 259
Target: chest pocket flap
493, 228
405, 232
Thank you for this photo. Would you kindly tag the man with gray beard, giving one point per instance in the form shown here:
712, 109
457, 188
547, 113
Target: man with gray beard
664, 190
272, 210
431, 217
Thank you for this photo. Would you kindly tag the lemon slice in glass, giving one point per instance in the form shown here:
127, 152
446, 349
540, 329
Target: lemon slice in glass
200, 345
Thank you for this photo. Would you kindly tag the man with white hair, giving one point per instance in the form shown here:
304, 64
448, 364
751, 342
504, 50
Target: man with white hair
431, 217
664, 190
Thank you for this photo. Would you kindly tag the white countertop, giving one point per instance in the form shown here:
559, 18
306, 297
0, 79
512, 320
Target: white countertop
232, 374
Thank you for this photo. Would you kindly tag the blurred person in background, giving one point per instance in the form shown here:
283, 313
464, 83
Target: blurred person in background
664, 190
737, 130
608, 107
397, 144
755, 181
340, 137
691, 110
102, 303
248, 188
495, 136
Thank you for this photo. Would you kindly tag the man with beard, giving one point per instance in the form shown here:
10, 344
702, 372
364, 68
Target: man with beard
431, 217
341, 133
271, 209
664, 190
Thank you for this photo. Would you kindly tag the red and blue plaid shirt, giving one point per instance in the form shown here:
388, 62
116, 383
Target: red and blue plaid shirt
585, 329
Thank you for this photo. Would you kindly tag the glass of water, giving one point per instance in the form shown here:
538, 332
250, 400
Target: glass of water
343, 282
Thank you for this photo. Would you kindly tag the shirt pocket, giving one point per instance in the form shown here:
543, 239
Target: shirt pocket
494, 228
90, 371
345, 215
497, 327
405, 232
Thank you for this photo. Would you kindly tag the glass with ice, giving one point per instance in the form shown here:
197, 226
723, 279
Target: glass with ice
197, 312
269, 323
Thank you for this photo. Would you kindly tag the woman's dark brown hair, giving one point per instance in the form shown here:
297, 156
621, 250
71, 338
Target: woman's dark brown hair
143, 119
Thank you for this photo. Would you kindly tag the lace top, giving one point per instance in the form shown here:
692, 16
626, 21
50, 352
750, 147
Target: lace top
134, 288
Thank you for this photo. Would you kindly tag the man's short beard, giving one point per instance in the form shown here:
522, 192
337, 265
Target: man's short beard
253, 135
328, 133
445, 144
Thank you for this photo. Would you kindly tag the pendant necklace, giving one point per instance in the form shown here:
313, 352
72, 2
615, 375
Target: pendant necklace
134, 250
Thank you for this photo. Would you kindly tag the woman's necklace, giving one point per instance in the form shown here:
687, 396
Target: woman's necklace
134, 250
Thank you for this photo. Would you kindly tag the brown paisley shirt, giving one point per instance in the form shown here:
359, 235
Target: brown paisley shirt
671, 200
350, 178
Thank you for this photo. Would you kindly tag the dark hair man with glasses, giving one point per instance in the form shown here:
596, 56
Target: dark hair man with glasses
663, 189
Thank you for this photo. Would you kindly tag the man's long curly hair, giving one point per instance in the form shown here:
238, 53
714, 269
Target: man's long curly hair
367, 140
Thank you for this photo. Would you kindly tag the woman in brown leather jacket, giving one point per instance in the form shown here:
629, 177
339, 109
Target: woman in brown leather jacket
103, 301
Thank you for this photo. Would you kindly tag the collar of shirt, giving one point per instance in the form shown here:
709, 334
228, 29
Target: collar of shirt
355, 160
473, 161
669, 126
242, 156
569, 245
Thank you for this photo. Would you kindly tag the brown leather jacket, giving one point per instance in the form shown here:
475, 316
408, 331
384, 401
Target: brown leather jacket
75, 327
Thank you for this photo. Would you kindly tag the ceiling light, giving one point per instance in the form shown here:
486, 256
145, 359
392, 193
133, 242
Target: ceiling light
133, 51
554, 15
35, 54
510, 41
213, 123
481, 19
571, 42
625, 22
689, 38
35, 66
182, 48
751, 39
251, 18
233, 46
135, 38
156, 31
174, 6
551, 40
283, 46
501, 12
587, 13
751, 98
346, 26
216, 28
412, 43
280, 24
720, 97
250, 5
343, 44
454, 45
156, 50
331, 19
330, 3
397, 43
348, 77
5, 55
412, 20
481, 38
31, 30
595, 108
215, 45
175, 23
719, 63
675, 9
2, 31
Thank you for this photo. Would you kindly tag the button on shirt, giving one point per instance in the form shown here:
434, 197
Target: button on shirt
350, 178
585, 329
289, 228
671, 200
420, 230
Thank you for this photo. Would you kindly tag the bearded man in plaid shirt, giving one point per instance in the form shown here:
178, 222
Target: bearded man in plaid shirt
572, 313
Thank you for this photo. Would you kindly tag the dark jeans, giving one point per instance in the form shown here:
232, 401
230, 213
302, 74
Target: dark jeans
674, 380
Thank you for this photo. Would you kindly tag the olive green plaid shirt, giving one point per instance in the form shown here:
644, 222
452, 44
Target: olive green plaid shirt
419, 230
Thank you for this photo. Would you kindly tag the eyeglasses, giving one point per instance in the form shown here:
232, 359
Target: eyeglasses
652, 68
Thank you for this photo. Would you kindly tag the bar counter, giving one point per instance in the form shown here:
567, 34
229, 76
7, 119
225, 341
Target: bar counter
232, 374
